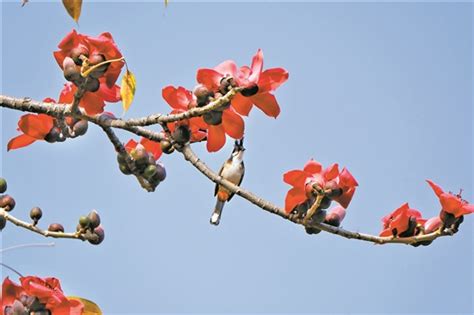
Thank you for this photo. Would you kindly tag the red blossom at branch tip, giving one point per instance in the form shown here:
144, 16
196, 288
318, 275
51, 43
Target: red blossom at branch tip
34, 127
451, 203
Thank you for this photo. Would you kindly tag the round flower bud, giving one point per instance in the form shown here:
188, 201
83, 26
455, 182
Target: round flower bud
311, 230
100, 236
3, 185
56, 227
92, 85
181, 134
54, 135
166, 147
80, 128
150, 171
250, 91
36, 214
121, 158
94, 219
71, 71
125, 169
213, 117
202, 95
77, 52
160, 172
84, 221
325, 203
226, 84
7, 202
3, 222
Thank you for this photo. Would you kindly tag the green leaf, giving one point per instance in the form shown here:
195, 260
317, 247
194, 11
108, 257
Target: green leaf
127, 90
73, 8
90, 308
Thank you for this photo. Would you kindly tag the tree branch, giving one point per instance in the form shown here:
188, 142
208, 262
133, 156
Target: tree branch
33, 228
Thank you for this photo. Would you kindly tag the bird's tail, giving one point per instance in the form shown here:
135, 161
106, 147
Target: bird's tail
216, 215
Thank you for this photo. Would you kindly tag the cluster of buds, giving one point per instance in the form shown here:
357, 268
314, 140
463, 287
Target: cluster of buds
74, 128
90, 225
74, 69
140, 161
6, 202
204, 96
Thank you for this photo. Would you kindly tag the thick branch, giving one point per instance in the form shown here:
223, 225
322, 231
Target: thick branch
190, 156
29, 226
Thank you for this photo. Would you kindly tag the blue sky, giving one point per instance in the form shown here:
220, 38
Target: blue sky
382, 88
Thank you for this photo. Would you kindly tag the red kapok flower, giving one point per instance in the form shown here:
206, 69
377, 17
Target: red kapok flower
34, 127
103, 45
258, 84
181, 100
451, 203
313, 175
92, 102
232, 124
48, 291
401, 222
152, 147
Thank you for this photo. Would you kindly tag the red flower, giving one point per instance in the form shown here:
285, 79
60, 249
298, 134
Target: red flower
48, 291
151, 147
181, 100
401, 222
339, 185
451, 203
259, 84
92, 102
34, 127
102, 45
232, 124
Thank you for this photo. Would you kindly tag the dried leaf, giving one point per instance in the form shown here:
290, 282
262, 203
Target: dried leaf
73, 7
90, 308
127, 90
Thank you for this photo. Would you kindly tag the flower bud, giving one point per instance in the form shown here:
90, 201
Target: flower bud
202, 95
166, 147
36, 214
160, 172
54, 135
181, 134
92, 85
80, 128
213, 117
325, 203
432, 225
84, 221
94, 219
3, 222
77, 52
335, 216
125, 169
71, 71
7, 202
149, 172
100, 233
3, 185
56, 227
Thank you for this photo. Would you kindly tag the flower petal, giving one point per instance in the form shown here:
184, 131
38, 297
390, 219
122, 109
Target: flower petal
256, 67
109, 94
313, 167
242, 104
20, 142
92, 103
210, 78
36, 126
296, 178
152, 147
437, 190
267, 103
131, 144
294, 197
331, 172
233, 124
215, 138
271, 79
227, 67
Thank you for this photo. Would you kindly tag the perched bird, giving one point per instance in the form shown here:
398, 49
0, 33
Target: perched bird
233, 170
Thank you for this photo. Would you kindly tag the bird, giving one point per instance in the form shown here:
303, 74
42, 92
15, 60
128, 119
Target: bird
232, 170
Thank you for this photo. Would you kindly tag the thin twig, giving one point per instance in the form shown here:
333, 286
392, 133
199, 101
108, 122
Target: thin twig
26, 246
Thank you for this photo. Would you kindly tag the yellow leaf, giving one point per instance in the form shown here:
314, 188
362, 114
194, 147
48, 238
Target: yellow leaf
90, 308
166, 3
127, 90
73, 7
